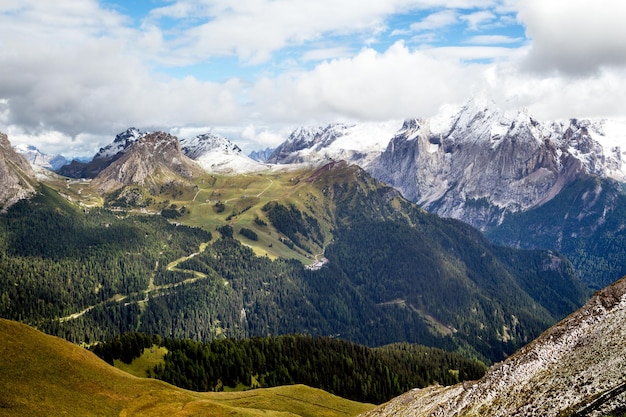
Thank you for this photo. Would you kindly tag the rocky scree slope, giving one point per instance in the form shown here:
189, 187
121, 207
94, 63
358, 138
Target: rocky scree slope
151, 161
575, 368
17, 178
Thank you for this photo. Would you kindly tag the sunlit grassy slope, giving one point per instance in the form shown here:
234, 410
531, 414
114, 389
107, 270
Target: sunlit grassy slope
242, 197
42, 375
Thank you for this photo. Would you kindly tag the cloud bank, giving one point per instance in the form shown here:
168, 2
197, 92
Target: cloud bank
76, 72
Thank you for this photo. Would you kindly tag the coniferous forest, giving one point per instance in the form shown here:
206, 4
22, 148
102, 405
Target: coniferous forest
372, 375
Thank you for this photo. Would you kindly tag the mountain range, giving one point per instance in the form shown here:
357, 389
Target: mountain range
193, 249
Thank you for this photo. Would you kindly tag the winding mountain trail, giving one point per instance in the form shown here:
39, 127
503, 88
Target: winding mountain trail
152, 288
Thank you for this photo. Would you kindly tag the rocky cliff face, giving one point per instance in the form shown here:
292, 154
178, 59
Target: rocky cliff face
576, 368
479, 164
17, 178
150, 161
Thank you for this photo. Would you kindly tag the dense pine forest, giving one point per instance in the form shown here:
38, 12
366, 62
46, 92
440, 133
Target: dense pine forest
346, 369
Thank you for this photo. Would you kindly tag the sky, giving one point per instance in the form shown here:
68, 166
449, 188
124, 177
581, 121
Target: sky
74, 73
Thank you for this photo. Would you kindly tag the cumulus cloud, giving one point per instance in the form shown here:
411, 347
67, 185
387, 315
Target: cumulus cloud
575, 37
369, 86
75, 73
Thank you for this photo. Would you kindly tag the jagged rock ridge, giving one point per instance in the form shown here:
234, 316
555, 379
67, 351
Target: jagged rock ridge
262, 155
151, 161
575, 368
17, 177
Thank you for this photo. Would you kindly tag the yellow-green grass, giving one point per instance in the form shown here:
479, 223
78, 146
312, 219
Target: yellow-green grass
243, 197
41, 375
146, 362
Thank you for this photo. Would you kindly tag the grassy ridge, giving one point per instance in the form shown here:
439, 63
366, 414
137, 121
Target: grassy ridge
44, 375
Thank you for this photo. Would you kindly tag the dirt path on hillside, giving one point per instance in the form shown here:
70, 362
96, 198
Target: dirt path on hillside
152, 288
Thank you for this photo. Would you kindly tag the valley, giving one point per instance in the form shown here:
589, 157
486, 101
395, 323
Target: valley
202, 250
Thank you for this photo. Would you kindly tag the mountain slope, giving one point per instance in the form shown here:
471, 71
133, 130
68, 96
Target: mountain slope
218, 155
17, 178
151, 161
586, 222
396, 272
104, 157
575, 368
44, 375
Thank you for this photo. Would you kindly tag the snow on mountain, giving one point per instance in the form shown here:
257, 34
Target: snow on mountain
477, 163
359, 144
120, 144
599, 144
217, 154
154, 160
38, 158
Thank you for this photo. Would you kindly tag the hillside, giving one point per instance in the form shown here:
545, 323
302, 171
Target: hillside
586, 222
395, 272
44, 375
576, 368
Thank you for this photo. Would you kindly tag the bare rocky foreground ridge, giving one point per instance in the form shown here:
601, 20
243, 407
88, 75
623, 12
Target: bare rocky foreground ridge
576, 368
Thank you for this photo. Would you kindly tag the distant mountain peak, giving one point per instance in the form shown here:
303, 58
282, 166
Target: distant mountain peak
40, 159
121, 143
217, 154
151, 160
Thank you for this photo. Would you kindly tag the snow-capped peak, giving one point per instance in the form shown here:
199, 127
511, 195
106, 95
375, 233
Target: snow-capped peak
38, 158
196, 146
120, 144
218, 154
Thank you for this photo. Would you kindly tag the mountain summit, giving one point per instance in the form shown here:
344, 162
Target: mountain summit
104, 157
217, 154
151, 161
575, 368
478, 163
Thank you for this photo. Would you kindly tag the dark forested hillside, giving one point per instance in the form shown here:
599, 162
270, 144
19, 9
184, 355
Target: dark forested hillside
586, 222
337, 366
396, 273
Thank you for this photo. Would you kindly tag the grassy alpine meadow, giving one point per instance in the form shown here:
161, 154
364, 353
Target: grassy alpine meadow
45, 375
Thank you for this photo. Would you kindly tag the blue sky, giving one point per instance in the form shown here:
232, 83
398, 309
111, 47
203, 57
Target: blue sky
76, 72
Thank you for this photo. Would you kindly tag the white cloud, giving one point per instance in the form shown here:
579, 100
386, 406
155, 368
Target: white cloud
493, 40
575, 36
394, 84
436, 21
478, 19
75, 74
